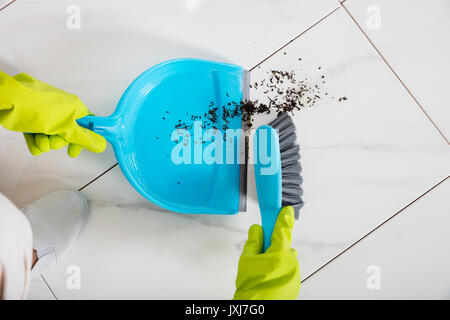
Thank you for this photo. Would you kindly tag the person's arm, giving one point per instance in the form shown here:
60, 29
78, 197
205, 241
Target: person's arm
275, 274
46, 115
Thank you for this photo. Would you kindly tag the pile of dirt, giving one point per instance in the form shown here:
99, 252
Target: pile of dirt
283, 91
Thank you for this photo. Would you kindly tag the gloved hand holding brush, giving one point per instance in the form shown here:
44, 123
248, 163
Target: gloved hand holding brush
275, 274
46, 115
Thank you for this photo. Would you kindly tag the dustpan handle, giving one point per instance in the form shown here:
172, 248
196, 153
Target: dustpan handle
104, 126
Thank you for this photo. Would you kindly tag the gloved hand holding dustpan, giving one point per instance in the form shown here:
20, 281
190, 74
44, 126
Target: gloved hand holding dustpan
30, 105
142, 128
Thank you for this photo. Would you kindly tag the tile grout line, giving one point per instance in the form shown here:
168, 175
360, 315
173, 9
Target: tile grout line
48, 287
394, 72
98, 177
10, 3
293, 39
376, 228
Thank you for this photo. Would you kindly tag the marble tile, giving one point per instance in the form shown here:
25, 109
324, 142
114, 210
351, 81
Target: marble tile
131, 249
115, 43
406, 258
25, 178
363, 160
411, 36
39, 291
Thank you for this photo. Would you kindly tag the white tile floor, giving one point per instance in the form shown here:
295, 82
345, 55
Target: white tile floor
404, 259
364, 159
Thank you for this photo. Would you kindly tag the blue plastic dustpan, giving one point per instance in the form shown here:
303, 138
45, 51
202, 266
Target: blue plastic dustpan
140, 131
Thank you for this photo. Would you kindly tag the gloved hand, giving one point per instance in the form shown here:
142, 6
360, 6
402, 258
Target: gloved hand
46, 115
275, 274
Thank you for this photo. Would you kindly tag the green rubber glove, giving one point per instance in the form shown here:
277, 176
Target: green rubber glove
275, 274
46, 115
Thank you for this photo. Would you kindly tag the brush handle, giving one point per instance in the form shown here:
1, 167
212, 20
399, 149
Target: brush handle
266, 148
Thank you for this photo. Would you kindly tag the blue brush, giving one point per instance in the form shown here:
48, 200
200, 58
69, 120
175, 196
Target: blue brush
277, 172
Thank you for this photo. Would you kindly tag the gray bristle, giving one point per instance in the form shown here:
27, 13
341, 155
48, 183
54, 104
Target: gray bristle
283, 117
290, 166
